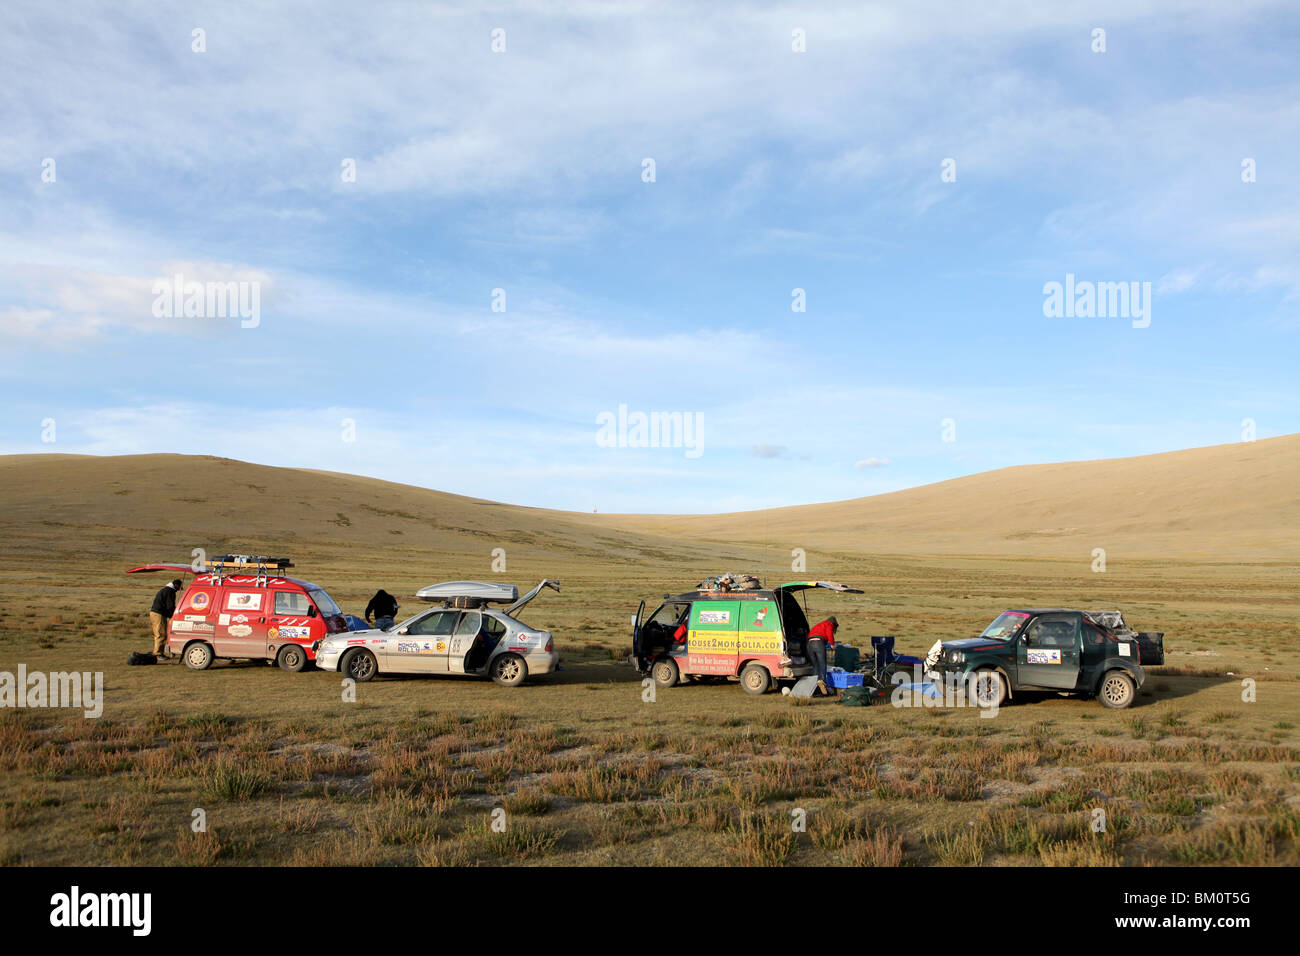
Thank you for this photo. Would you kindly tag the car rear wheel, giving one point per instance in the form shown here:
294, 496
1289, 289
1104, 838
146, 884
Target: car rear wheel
509, 670
1117, 690
755, 679
359, 664
292, 658
990, 689
198, 656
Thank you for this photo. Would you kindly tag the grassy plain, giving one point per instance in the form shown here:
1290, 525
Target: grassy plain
587, 771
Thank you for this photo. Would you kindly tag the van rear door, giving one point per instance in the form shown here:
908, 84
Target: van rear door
712, 642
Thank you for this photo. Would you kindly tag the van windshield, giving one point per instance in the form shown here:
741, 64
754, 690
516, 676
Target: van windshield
324, 603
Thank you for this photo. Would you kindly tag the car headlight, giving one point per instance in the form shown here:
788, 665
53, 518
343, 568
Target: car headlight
956, 657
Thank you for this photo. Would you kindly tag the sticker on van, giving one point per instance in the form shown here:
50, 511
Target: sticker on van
244, 601
715, 617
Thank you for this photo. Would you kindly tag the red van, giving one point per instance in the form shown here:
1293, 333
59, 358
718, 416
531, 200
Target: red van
243, 608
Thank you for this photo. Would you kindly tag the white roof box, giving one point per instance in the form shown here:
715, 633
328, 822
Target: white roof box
475, 591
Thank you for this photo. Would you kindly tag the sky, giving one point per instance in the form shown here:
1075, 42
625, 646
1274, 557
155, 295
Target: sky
823, 234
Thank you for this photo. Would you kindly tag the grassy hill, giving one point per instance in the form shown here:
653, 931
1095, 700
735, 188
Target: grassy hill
1234, 501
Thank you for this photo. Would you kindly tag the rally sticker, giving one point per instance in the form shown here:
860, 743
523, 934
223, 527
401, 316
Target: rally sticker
223, 619
1043, 656
442, 647
293, 632
200, 600
1123, 650
239, 630
758, 621
715, 617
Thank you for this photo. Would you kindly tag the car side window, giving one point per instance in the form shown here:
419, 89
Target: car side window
439, 623
1050, 632
469, 624
492, 627
291, 602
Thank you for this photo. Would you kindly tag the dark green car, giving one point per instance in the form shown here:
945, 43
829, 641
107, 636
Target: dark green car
1069, 652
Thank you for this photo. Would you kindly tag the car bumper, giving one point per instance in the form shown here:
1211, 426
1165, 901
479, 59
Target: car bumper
327, 658
542, 662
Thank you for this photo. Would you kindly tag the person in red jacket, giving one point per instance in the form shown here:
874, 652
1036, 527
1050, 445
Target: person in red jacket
820, 639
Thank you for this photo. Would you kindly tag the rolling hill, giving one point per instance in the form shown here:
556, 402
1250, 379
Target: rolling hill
1234, 502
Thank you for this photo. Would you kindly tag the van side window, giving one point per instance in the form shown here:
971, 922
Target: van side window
291, 602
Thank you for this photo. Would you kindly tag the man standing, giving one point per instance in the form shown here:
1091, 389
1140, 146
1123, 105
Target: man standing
160, 615
384, 608
820, 639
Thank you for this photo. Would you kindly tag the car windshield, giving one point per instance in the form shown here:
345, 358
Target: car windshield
410, 620
1006, 625
324, 603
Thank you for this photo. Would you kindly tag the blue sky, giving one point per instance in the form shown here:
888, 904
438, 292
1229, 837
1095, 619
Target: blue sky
775, 170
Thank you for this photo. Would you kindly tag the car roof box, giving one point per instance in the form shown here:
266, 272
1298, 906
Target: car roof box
469, 593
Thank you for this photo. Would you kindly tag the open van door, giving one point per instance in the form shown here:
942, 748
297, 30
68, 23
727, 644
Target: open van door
636, 634
829, 585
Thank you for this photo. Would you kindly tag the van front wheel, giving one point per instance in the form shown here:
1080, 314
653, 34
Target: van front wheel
292, 658
198, 656
665, 672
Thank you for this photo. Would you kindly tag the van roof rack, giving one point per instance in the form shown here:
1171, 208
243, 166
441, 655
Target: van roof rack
258, 564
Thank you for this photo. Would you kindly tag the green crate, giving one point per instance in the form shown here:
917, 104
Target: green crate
846, 658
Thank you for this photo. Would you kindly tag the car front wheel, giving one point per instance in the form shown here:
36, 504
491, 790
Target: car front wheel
1117, 690
509, 670
990, 689
359, 664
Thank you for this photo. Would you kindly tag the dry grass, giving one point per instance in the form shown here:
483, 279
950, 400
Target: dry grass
585, 770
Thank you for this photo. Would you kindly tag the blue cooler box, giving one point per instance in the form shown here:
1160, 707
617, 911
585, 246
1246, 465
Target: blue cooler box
841, 679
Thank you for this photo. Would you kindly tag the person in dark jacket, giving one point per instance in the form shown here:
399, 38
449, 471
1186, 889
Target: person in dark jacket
384, 607
820, 639
160, 615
